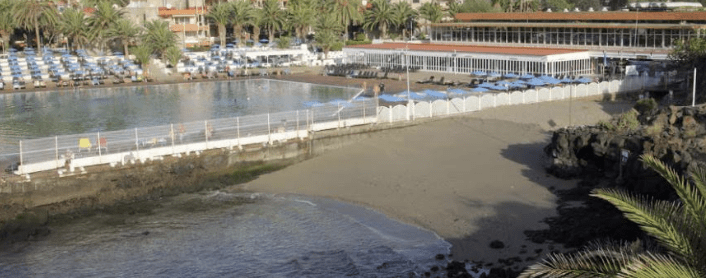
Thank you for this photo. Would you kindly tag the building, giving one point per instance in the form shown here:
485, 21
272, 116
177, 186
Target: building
187, 18
629, 33
466, 59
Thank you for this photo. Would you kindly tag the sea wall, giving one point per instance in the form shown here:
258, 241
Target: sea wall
104, 185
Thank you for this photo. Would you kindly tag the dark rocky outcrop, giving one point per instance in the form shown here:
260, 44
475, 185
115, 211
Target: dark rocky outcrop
676, 135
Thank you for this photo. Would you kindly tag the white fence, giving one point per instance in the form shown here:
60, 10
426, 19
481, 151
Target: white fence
142, 144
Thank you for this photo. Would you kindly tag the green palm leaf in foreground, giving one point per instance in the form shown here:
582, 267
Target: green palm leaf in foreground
679, 227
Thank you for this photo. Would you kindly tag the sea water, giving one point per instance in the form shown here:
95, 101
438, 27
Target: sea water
273, 236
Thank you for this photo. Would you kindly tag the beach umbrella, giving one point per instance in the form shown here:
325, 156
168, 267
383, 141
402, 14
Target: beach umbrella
457, 91
493, 74
313, 104
503, 83
412, 95
535, 82
479, 73
434, 94
390, 98
516, 85
510, 75
12, 49
527, 76
361, 98
584, 80
479, 89
566, 80
264, 40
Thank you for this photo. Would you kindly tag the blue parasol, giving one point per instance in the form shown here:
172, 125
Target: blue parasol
479, 89
510, 75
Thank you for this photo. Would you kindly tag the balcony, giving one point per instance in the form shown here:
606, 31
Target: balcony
188, 27
166, 12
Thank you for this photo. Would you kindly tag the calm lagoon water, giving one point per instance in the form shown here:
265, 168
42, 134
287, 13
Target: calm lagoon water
43, 114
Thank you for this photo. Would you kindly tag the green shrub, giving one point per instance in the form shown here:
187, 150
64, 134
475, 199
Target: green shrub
422, 36
360, 37
337, 46
606, 125
646, 106
628, 120
284, 42
351, 42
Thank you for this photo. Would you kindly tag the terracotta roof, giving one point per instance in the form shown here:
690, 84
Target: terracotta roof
571, 25
527, 51
164, 12
584, 16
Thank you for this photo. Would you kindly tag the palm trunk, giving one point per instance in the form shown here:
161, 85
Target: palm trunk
384, 30
272, 34
125, 48
36, 32
346, 26
222, 35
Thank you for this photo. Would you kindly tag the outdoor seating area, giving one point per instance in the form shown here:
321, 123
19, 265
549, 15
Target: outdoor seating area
236, 62
63, 68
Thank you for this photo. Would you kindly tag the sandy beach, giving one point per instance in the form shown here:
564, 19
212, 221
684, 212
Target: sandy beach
472, 179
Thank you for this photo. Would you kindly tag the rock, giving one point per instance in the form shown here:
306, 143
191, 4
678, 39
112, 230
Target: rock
439, 256
496, 244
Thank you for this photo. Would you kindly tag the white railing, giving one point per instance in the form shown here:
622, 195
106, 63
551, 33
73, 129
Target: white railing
141, 144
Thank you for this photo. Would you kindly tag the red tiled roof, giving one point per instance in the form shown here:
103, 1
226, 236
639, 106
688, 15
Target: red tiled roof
568, 25
527, 51
586, 16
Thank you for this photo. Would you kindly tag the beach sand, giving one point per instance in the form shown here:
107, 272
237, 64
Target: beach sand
472, 179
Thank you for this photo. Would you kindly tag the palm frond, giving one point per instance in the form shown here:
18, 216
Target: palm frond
604, 261
650, 265
660, 219
694, 202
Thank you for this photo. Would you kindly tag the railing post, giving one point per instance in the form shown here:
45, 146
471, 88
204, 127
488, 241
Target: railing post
137, 143
237, 126
56, 151
205, 132
172, 136
98, 143
339, 114
21, 159
269, 132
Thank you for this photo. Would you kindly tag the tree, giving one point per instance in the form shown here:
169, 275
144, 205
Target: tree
346, 11
242, 13
284, 42
431, 12
125, 31
328, 29
585, 4
34, 14
220, 14
302, 15
7, 22
557, 5
688, 55
143, 55
679, 227
404, 15
379, 16
272, 18
477, 6
173, 55
102, 19
158, 36
74, 25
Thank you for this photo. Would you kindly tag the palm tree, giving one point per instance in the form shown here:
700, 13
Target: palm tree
431, 12
302, 15
158, 36
241, 14
347, 11
102, 19
328, 30
220, 14
7, 22
404, 15
173, 55
380, 16
272, 17
74, 25
679, 227
125, 31
34, 14
143, 53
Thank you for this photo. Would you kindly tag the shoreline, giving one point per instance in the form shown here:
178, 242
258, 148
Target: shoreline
474, 179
